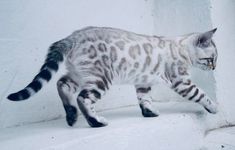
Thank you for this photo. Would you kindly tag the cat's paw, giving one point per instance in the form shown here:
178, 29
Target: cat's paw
96, 122
211, 107
147, 112
71, 115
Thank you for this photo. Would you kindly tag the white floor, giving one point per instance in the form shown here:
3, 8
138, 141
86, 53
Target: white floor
221, 139
173, 129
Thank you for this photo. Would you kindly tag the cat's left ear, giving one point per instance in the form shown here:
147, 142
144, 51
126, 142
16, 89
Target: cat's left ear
205, 38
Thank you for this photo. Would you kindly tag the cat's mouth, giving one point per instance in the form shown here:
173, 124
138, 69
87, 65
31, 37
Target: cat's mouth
208, 62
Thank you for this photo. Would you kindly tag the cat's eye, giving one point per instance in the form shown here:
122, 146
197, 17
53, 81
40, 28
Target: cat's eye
206, 58
209, 61
204, 44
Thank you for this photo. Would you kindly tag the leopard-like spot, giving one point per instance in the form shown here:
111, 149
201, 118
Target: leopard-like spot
148, 48
102, 47
120, 44
134, 51
113, 54
92, 52
146, 63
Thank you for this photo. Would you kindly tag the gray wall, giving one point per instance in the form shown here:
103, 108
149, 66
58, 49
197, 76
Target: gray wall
28, 27
223, 17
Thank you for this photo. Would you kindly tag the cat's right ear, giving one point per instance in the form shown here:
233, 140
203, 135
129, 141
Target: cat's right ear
204, 39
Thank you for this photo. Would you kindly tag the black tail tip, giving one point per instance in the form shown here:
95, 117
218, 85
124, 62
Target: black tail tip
13, 97
19, 96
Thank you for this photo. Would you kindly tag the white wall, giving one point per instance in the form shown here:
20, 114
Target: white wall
223, 17
172, 18
188, 16
179, 17
28, 27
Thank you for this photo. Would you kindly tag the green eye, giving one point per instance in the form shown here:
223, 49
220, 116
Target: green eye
209, 59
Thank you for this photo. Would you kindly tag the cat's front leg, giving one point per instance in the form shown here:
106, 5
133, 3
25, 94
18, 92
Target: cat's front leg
189, 90
145, 101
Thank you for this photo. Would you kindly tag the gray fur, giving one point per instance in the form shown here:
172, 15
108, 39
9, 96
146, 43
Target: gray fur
97, 57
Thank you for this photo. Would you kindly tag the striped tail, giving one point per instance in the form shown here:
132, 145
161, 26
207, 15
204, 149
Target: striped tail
54, 57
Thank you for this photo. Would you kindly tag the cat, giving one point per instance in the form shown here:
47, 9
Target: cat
97, 57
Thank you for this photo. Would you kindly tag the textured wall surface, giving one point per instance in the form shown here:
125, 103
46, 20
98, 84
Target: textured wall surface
223, 17
28, 27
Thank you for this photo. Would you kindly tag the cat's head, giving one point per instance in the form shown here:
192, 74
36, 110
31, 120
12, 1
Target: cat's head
202, 49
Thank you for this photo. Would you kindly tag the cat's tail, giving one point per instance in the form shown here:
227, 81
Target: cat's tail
55, 56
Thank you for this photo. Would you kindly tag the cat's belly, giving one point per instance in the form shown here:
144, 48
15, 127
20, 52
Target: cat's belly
141, 79
82, 74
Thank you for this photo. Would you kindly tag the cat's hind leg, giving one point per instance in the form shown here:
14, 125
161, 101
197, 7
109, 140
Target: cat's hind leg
145, 101
86, 102
67, 88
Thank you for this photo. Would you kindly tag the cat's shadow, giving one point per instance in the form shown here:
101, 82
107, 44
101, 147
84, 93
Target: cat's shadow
134, 112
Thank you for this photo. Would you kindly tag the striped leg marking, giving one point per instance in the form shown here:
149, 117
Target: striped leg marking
66, 88
86, 100
145, 102
187, 89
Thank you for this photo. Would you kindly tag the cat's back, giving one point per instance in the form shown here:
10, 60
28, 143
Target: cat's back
106, 34
96, 41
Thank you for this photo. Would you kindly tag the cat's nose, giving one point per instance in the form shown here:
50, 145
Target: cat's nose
211, 65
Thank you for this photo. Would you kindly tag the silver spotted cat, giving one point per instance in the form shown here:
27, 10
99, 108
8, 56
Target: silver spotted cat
97, 57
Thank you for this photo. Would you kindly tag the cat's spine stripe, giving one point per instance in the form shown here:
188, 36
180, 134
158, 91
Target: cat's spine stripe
54, 57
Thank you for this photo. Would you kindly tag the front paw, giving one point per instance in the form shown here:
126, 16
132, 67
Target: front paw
211, 107
147, 112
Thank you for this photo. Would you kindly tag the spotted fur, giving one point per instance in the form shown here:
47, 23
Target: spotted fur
98, 57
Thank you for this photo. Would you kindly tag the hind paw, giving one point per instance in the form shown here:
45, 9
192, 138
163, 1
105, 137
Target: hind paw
71, 115
147, 112
96, 122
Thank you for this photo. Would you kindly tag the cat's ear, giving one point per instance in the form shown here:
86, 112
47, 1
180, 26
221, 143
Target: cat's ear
204, 39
